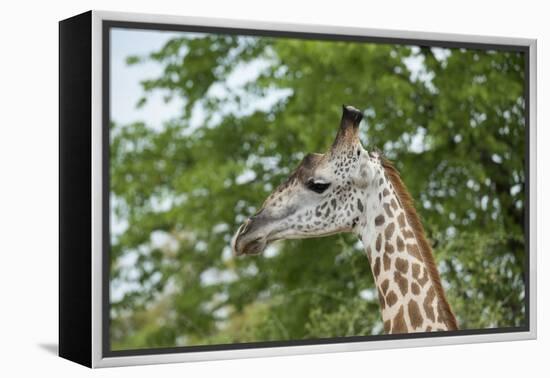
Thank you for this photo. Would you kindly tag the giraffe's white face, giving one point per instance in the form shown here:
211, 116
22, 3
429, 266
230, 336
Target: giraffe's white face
325, 195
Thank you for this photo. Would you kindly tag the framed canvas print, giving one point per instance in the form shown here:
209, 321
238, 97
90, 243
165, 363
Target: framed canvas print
236, 189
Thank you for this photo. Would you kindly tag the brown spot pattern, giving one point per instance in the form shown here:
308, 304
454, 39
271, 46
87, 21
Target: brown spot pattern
416, 271
376, 269
428, 308
379, 242
410, 217
389, 213
393, 204
359, 205
422, 281
398, 323
384, 286
391, 298
415, 288
414, 315
379, 220
401, 220
387, 326
400, 244
385, 192
389, 248
414, 251
402, 265
387, 262
407, 234
389, 230
401, 282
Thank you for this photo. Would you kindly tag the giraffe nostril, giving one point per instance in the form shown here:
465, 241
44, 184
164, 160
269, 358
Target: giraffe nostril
244, 228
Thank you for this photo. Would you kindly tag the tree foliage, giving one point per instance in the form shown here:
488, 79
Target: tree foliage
452, 120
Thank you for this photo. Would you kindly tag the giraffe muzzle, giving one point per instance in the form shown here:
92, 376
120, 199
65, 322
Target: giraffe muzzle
248, 239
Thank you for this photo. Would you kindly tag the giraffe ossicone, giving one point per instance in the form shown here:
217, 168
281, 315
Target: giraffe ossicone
349, 189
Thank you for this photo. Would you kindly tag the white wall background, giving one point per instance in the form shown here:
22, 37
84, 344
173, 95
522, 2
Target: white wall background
28, 185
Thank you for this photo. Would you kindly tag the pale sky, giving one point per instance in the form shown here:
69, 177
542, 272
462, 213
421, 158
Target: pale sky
125, 80
126, 89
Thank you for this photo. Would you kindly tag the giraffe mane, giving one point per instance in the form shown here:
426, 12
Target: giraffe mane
425, 248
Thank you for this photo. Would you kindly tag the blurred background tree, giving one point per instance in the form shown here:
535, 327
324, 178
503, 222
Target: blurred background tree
452, 120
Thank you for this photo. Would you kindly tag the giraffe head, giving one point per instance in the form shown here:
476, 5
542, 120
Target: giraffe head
323, 196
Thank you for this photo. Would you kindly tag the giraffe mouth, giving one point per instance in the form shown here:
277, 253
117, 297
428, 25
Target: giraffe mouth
244, 243
249, 247
254, 247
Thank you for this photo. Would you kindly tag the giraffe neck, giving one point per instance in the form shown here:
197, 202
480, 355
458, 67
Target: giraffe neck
409, 290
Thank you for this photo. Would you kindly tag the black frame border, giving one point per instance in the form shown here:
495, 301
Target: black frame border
107, 25
75, 188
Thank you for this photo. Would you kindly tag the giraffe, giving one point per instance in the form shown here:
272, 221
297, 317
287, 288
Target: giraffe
350, 189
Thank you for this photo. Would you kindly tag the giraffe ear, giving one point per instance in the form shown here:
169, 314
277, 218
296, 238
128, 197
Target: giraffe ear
349, 125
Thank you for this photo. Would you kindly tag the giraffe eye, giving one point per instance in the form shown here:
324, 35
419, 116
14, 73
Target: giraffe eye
317, 186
